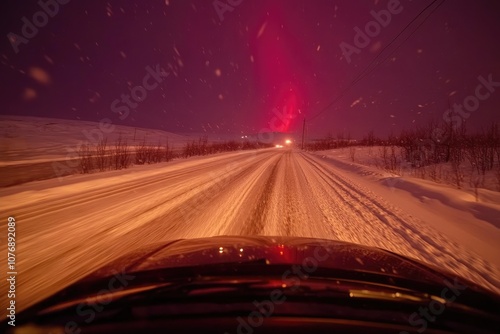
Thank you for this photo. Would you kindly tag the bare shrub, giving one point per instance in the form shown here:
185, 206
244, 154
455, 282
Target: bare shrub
394, 164
121, 154
352, 152
102, 159
85, 164
456, 162
168, 154
149, 154
497, 175
384, 156
203, 145
189, 149
432, 169
141, 153
157, 153
475, 181
422, 172
369, 139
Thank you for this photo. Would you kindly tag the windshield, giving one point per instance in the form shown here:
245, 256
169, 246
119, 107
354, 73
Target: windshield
131, 123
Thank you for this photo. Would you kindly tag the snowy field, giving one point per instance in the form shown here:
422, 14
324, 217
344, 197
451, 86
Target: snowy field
70, 226
30, 146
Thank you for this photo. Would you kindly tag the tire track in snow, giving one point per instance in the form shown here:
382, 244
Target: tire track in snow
257, 218
404, 234
272, 192
77, 242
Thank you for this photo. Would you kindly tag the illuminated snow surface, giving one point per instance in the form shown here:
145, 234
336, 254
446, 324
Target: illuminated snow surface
68, 227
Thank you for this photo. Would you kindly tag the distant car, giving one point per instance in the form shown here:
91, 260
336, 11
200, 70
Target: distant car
264, 285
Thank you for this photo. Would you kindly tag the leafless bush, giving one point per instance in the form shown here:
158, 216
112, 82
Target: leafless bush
384, 156
434, 171
86, 164
370, 151
497, 175
330, 142
247, 145
168, 154
421, 172
412, 150
190, 149
199, 147
102, 159
150, 154
141, 153
158, 153
232, 145
481, 149
370, 139
496, 145
203, 145
438, 151
121, 154
352, 152
394, 164
456, 159
475, 181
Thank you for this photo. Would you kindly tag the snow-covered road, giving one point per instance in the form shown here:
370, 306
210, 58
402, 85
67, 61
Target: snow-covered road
66, 229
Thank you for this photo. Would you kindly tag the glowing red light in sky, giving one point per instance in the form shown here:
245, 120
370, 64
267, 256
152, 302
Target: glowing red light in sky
276, 68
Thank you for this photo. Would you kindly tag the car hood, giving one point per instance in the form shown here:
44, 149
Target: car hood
306, 252
231, 269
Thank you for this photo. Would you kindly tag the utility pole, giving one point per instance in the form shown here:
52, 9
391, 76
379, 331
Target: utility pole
303, 131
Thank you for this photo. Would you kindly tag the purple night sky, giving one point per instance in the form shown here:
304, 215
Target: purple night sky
227, 76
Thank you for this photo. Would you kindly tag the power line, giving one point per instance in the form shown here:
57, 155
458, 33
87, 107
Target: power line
407, 38
366, 71
397, 36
